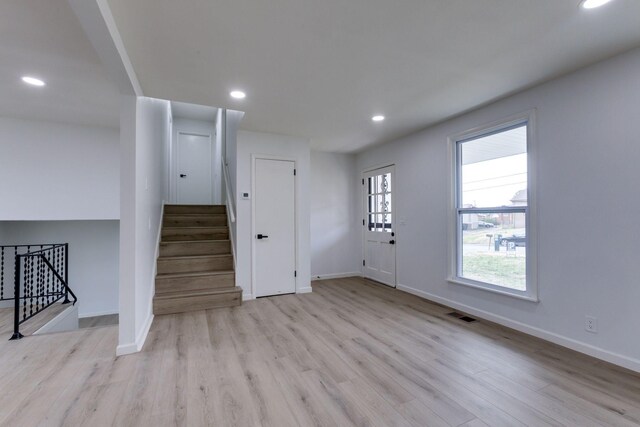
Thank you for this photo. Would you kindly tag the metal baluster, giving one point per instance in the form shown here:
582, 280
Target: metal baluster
2, 274
16, 297
27, 286
26, 281
66, 274
31, 290
36, 292
55, 266
41, 295
17, 264
49, 274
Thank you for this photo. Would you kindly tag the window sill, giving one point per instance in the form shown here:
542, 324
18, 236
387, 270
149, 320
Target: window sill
488, 288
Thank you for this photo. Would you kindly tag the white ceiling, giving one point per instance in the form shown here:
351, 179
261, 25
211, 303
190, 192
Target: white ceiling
44, 39
193, 111
321, 69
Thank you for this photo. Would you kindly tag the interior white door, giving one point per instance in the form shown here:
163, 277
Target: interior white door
274, 227
195, 180
379, 234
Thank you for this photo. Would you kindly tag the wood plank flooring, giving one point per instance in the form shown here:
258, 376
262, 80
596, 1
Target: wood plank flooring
350, 353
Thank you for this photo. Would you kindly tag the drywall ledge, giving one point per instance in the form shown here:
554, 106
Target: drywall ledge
599, 353
65, 321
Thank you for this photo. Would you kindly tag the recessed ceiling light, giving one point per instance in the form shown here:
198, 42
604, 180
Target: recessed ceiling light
32, 81
377, 118
592, 4
238, 94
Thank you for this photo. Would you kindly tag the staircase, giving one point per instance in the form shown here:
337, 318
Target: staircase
195, 266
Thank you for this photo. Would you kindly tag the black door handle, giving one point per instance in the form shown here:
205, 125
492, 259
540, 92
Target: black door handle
261, 236
182, 175
392, 242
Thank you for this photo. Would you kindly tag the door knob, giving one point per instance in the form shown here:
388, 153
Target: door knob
261, 236
182, 175
392, 242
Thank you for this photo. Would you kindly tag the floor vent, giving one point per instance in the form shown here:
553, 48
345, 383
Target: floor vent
461, 317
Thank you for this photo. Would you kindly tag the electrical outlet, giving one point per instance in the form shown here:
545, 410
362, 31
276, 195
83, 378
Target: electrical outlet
591, 324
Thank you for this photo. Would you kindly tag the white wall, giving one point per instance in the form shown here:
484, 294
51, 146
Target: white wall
93, 257
249, 143
52, 171
588, 229
202, 128
144, 134
335, 215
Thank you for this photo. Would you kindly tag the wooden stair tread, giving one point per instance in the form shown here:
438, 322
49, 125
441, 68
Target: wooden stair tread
201, 227
190, 206
194, 274
192, 215
198, 292
171, 242
179, 257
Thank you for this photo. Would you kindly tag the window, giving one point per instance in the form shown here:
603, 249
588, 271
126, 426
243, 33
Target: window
492, 244
379, 201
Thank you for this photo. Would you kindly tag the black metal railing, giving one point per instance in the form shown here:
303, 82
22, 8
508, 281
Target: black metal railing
34, 277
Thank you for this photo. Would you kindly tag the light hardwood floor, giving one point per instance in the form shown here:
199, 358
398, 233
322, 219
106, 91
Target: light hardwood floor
350, 353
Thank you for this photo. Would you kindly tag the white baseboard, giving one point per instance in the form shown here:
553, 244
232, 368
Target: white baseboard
97, 313
581, 347
136, 346
247, 297
336, 276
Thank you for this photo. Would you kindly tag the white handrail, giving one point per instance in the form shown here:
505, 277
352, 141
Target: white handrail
231, 205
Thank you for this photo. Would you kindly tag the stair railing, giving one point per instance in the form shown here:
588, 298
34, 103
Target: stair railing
229, 195
40, 279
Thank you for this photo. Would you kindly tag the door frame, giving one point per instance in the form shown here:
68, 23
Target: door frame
176, 162
296, 221
363, 208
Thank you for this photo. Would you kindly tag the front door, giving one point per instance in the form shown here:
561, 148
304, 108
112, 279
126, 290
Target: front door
379, 234
195, 180
274, 226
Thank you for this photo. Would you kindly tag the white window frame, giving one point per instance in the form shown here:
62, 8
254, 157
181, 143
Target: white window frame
454, 232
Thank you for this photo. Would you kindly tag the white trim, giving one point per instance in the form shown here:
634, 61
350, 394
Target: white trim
453, 240
247, 297
136, 346
581, 347
306, 290
335, 276
296, 209
493, 288
98, 313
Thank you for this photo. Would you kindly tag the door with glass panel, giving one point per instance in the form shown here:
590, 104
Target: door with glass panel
379, 261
